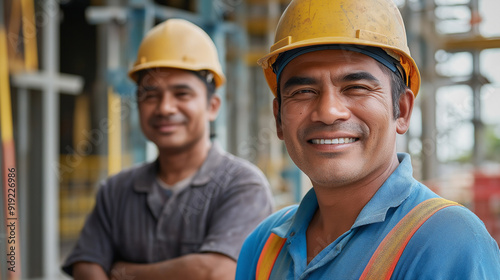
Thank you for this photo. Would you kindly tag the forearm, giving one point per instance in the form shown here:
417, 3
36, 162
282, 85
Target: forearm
88, 271
207, 266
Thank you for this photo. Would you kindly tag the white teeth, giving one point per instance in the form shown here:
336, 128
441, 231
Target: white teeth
333, 141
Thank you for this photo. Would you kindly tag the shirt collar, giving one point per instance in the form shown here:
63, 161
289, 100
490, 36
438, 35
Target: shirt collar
146, 174
212, 162
391, 194
299, 221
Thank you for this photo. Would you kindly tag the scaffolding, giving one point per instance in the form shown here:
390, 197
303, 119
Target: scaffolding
75, 119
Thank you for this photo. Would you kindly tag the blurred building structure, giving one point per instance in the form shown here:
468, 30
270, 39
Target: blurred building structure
75, 117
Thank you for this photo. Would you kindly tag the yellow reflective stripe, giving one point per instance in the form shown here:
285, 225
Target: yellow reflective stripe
386, 257
268, 256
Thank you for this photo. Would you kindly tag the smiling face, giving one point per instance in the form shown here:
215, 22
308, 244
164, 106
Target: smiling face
336, 117
173, 109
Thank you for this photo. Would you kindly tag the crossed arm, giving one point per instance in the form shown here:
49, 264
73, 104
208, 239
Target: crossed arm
193, 266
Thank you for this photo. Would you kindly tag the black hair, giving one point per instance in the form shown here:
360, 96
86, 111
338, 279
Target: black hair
206, 77
398, 87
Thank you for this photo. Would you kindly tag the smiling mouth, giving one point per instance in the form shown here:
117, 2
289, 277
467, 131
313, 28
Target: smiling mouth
334, 141
165, 124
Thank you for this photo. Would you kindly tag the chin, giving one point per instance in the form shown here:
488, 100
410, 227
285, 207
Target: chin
166, 144
331, 176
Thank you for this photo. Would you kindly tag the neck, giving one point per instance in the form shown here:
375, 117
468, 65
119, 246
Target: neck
339, 207
178, 165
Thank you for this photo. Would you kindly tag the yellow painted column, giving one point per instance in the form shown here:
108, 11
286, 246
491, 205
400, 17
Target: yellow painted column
10, 194
29, 31
114, 133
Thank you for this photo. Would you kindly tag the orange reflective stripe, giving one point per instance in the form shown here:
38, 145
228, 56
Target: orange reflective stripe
386, 256
268, 256
384, 260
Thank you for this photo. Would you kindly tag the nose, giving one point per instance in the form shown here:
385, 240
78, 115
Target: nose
330, 107
167, 104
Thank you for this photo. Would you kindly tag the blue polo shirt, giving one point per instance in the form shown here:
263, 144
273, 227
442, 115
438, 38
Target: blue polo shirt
452, 244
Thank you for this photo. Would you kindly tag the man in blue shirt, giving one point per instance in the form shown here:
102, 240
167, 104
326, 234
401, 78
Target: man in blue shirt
345, 84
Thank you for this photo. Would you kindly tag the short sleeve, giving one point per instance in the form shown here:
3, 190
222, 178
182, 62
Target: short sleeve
252, 247
94, 244
246, 201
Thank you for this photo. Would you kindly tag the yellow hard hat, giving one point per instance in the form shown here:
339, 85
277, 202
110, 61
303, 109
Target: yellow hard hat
375, 23
177, 43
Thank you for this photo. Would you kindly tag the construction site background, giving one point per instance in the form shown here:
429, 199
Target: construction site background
72, 115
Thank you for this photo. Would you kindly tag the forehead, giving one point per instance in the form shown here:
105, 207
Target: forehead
168, 76
338, 61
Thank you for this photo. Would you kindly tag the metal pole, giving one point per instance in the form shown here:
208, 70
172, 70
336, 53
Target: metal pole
479, 131
50, 107
23, 114
430, 163
476, 85
221, 123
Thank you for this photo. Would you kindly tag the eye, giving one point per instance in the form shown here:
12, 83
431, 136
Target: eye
183, 94
358, 87
147, 94
301, 93
353, 89
304, 91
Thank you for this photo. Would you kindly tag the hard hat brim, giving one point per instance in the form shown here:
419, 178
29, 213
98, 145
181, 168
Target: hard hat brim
219, 78
266, 61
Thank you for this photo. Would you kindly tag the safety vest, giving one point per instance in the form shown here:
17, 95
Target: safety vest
384, 260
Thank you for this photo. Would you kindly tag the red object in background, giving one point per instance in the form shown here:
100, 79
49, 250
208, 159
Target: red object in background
487, 201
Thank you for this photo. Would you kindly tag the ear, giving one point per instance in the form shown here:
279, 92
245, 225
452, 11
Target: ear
277, 119
406, 102
213, 107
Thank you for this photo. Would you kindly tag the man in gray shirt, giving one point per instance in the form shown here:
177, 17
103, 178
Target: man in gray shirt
184, 216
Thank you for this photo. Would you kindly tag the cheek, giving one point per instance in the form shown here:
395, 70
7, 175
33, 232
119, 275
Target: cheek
196, 115
293, 112
373, 111
143, 113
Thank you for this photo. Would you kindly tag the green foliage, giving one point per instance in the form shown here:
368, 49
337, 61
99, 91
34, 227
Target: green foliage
493, 143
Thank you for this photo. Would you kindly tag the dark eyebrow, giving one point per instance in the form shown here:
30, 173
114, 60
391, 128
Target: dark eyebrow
360, 76
174, 87
297, 81
181, 86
